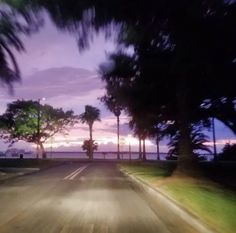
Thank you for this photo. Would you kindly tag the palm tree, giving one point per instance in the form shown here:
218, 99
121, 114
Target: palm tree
116, 109
90, 115
198, 140
140, 127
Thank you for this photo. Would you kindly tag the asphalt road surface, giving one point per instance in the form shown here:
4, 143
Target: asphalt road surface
81, 198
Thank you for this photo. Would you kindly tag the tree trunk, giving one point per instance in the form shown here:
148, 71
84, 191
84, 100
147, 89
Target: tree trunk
144, 150
186, 164
140, 148
43, 152
118, 137
38, 129
91, 141
214, 137
158, 148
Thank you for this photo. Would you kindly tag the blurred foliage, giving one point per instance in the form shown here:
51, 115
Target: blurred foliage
15, 20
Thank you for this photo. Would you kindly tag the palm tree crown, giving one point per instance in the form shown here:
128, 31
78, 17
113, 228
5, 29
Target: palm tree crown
198, 142
90, 115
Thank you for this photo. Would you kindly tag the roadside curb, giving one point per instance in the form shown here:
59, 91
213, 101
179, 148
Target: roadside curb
181, 211
21, 172
18, 174
19, 169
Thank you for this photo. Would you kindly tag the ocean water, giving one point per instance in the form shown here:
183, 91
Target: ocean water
103, 155
99, 155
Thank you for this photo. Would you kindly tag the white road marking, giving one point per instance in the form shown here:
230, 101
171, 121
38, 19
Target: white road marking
72, 175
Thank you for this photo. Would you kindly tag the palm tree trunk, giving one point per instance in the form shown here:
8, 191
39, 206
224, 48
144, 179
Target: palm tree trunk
118, 137
140, 147
144, 150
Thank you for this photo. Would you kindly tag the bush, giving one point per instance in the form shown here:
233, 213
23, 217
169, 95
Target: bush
175, 157
171, 157
86, 147
228, 153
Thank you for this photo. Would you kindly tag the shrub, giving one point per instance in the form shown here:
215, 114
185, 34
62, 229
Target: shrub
86, 146
228, 153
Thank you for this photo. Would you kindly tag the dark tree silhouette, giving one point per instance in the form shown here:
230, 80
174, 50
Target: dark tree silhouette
184, 54
228, 153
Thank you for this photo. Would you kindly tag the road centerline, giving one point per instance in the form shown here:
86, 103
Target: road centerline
73, 174
78, 172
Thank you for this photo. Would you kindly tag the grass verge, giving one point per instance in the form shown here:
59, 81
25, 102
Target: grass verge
212, 203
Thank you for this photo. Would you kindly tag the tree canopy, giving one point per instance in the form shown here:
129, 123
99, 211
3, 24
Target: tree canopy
23, 117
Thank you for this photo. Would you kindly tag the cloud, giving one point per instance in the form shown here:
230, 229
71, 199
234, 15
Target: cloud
56, 82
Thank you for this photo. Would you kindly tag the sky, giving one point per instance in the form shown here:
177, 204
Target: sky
53, 68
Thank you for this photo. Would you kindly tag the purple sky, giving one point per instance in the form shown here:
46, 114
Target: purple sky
52, 67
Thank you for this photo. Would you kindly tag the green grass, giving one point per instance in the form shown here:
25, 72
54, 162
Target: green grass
147, 173
211, 202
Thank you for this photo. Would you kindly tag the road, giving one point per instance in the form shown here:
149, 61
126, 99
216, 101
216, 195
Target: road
81, 198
